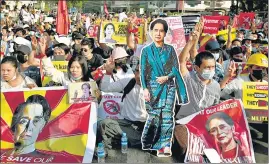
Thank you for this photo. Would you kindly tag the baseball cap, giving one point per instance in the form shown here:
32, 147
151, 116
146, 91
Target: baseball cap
24, 49
118, 53
212, 45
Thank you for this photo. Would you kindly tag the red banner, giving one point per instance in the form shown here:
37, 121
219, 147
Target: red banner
245, 19
211, 25
221, 133
62, 22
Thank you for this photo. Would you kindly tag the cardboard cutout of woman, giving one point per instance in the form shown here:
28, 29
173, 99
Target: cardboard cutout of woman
162, 83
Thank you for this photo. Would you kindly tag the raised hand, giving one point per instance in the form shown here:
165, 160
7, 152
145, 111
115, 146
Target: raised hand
231, 70
162, 79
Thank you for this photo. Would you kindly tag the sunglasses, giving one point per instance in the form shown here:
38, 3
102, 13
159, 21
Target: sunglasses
83, 49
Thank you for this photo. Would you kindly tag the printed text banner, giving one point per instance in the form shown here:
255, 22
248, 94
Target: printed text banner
60, 132
204, 127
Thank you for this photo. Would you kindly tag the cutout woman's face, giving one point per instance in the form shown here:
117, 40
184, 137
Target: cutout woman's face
30, 125
158, 33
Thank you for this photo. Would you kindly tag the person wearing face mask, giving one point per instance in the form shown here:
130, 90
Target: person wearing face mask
11, 77
256, 65
246, 45
203, 90
214, 48
236, 55
256, 46
122, 69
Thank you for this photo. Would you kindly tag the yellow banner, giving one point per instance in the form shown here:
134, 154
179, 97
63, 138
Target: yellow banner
255, 95
59, 65
224, 33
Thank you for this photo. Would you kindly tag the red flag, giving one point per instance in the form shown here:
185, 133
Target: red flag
245, 19
62, 21
105, 8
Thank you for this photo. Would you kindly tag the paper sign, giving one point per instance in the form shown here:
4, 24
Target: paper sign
113, 32
110, 106
211, 25
60, 132
214, 128
255, 95
82, 92
92, 31
189, 22
176, 35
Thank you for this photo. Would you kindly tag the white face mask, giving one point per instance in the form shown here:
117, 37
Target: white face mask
216, 55
207, 74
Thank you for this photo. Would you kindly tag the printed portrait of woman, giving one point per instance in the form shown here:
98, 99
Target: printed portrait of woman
86, 93
109, 30
230, 146
28, 121
163, 85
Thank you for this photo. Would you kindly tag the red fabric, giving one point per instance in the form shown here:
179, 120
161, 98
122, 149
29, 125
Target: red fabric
105, 8
62, 21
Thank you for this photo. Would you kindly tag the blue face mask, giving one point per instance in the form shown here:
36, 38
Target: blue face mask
207, 74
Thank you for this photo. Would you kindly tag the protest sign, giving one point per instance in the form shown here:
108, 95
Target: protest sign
255, 100
189, 22
59, 65
245, 20
113, 32
93, 31
82, 92
175, 35
110, 106
211, 24
217, 129
40, 126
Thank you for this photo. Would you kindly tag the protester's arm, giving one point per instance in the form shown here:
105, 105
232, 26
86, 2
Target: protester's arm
117, 86
185, 55
145, 29
130, 38
199, 29
229, 41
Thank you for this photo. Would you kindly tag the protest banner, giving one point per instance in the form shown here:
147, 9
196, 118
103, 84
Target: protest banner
40, 126
245, 20
211, 24
175, 35
214, 130
189, 22
82, 92
224, 34
59, 65
113, 32
110, 106
255, 100
93, 31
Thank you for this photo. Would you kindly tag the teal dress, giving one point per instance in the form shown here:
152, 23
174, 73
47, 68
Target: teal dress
157, 62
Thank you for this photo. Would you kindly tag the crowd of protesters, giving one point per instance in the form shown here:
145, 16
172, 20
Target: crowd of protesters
29, 44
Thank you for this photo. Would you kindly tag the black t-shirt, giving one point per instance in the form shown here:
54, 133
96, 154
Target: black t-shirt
95, 62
